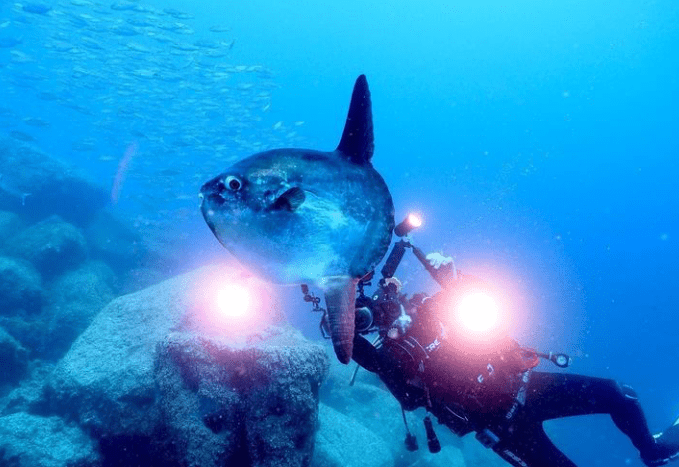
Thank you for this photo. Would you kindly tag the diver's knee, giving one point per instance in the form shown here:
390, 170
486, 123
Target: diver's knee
627, 392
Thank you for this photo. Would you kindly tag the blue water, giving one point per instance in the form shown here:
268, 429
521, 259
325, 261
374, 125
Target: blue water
537, 139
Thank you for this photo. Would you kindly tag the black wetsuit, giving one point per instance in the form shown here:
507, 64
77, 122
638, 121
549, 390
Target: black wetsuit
510, 425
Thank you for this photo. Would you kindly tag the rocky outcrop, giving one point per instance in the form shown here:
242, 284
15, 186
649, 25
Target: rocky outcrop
10, 224
13, 359
36, 185
20, 287
74, 299
30, 441
156, 380
52, 246
113, 241
344, 442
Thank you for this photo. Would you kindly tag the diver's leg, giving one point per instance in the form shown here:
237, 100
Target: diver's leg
555, 395
529, 446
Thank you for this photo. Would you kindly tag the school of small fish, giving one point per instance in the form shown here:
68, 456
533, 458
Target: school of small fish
127, 73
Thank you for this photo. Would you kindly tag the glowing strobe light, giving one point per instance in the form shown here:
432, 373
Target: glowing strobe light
412, 221
478, 312
233, 301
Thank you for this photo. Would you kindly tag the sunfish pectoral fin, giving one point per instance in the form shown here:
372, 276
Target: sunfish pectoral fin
289, 200
340, 296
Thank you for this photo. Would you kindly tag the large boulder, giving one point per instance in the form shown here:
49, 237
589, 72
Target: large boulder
74, 299
28, 395
10, 224
115, 242
30, 331
160, 377
343, 442
230, 405
13, 358
51, 245
33, 441
36, 185
20, 287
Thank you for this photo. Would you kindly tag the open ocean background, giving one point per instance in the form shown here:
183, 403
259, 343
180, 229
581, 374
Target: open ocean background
538, 139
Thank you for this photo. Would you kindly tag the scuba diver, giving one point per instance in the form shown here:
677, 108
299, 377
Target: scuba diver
488, 386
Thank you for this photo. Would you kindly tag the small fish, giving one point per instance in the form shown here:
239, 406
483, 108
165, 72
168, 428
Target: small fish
219, 29
36, 122
21, 136
36, 8
297, 216
84, 145
125, 31
177, 14
8, 42
122, 6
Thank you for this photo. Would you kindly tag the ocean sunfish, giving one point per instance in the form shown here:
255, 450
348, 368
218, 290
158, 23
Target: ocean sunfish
295, 216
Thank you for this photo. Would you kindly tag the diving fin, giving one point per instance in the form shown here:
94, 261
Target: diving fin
666, 446
340, 296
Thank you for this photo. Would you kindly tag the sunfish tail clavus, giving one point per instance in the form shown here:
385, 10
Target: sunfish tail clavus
296, 216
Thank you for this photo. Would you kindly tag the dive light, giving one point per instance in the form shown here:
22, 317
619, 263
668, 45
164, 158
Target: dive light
407, 225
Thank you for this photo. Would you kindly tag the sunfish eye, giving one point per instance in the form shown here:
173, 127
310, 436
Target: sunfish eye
233, 183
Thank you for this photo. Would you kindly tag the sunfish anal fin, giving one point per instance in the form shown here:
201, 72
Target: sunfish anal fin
340, 296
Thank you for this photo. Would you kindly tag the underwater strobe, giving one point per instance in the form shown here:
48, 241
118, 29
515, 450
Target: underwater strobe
407, 225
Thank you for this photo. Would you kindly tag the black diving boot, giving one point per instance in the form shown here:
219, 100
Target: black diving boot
666, 447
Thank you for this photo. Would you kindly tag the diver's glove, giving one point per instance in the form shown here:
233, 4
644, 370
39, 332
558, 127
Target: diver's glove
444, 264
400, 325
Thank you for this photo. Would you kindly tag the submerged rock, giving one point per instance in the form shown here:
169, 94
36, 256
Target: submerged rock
14, 360
52, 245
254, 405
74, 299
343, 442
36, 185
10, 224
114, 242
27, 396
30, 441
159, 379
20, 287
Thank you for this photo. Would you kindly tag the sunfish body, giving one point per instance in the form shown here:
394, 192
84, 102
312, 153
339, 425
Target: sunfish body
295, 216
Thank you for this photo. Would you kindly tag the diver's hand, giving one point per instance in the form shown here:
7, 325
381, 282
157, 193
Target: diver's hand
437, 260
444, 266
400, 325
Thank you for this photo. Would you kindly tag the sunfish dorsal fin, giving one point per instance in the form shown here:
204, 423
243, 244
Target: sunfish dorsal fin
340, 296
357, 141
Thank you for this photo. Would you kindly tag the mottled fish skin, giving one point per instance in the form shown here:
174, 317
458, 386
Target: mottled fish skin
304, 216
